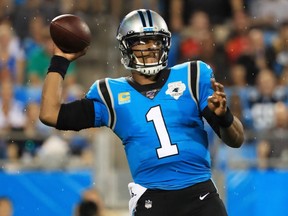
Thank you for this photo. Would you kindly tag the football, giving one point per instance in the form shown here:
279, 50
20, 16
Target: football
70, 33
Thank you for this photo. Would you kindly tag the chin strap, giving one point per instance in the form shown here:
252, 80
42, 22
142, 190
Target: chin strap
150, 70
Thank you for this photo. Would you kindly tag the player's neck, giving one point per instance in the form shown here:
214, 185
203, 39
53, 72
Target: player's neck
143, 79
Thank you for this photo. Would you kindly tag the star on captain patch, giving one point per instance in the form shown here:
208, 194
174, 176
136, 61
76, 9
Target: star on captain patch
148, 204
175, 89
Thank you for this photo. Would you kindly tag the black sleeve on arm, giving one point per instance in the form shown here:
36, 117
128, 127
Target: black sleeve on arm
212, 120
76, 115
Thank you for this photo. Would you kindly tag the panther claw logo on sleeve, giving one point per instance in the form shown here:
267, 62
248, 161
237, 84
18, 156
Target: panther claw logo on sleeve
148, 204
176, 89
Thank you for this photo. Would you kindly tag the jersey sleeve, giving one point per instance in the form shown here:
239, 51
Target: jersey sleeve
204, 83
101, 111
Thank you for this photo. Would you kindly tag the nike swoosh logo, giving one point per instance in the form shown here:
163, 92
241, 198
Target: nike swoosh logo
203, 197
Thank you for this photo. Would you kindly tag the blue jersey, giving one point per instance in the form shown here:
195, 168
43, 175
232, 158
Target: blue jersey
164, 138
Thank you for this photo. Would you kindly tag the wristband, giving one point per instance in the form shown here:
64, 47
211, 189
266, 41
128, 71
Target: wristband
226, 120
59, 65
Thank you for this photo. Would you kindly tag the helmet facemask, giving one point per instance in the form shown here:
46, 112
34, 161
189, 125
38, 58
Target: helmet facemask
135, 58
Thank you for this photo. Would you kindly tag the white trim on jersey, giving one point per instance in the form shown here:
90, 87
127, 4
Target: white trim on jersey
112, 103
104, 101
196, 100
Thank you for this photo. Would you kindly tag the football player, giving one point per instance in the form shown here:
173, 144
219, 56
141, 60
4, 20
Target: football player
158, 114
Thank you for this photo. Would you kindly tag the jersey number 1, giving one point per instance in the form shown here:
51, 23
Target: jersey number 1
166, 147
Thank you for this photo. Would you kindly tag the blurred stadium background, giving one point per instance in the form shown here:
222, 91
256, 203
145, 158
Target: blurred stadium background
45, 172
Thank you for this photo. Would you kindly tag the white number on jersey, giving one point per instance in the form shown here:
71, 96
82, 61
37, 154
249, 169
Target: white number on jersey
167, 148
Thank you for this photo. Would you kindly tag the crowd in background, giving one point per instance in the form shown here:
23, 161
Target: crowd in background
245, 42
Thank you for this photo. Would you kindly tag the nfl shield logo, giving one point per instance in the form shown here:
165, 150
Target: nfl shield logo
148, 204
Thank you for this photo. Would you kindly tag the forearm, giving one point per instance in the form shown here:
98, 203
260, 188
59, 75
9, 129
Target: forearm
52, 90
51, 98
233, 135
